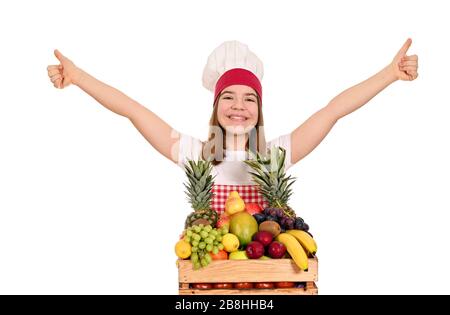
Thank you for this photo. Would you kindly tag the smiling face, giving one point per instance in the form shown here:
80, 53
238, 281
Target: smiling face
237, 110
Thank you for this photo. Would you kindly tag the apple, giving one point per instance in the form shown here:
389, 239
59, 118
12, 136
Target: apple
254, 250
223, 220
253, 208
277, 249
263, 237
238, 255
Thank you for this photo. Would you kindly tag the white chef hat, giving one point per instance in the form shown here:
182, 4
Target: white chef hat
232, 63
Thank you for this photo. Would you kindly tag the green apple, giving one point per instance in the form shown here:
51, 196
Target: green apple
238, 255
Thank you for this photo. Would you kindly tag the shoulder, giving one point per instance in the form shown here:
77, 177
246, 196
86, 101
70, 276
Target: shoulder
283, 141
189, 148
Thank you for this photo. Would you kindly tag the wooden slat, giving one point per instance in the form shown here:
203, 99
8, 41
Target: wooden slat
272, 270
297, 291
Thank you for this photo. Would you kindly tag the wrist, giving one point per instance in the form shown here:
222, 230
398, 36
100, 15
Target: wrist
389, 73
78, 76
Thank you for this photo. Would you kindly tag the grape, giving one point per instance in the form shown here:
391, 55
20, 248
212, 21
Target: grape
194, 257
305, 227
194, 249
209, 247
204, 234
201, 226
259, 217
187, 239
266, 211
215, 250
290, 223
224, 230
204, 262
278, 213
194, 243
207, 228
196, 237
197, 265
197, 229
209, 241
271, 218
189, 232
219, 238
220, 246
202, 245
208, 258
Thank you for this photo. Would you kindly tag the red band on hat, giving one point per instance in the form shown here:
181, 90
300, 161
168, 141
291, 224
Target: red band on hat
238, 76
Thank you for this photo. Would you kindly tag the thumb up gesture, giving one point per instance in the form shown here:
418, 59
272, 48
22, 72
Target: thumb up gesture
405, 67
65, 73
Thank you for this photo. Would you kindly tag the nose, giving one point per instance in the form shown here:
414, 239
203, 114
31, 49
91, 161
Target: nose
238, 104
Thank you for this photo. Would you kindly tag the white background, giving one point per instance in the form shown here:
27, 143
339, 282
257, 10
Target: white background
87, 206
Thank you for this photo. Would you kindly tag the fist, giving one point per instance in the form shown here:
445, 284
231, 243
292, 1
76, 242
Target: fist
405, 67
65, 73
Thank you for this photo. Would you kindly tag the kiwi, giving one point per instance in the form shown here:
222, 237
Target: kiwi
270, 226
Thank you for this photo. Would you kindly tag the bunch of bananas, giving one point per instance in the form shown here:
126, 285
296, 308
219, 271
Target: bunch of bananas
299, 245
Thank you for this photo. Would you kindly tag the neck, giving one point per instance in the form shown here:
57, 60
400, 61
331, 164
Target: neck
236, 142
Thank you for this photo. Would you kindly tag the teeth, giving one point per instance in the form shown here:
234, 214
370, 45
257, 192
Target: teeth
240, 118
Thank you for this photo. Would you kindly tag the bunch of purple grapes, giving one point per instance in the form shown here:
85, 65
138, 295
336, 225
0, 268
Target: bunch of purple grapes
286, 222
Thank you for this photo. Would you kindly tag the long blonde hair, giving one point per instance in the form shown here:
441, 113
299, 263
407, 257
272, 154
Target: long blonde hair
256, 141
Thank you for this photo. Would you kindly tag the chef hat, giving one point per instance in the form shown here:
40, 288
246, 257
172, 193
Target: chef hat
232, 63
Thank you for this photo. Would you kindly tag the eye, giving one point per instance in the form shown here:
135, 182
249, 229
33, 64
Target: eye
226, 97
250, 99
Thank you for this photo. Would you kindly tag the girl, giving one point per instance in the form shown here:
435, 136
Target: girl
234, 73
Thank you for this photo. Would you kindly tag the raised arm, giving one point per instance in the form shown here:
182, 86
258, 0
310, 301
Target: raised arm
156, 131
306, 137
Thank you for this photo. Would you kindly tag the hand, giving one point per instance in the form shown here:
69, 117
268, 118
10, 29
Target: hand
65, 73
405, 67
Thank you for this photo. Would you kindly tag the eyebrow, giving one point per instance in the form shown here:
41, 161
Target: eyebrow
235, 93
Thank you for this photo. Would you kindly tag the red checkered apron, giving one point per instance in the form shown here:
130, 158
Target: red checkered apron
248, 193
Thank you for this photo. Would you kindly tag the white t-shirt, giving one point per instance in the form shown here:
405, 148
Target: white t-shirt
232, 171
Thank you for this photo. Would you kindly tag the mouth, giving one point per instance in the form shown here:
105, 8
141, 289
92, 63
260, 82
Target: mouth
239, 118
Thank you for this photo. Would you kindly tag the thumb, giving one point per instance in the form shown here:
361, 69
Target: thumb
404, 48
59, 55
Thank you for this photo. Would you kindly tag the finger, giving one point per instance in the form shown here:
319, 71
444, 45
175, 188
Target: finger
57, 84
412, 57
408, 68
408, 63
53, 72
56, 77
51, 67
405, 47
59, 55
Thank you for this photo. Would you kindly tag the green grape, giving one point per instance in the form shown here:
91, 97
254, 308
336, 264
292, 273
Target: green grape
207, 228
215, 250
196, 237
187, 239
194, 243
209, 247
209, 241
202, 245
213, 233
189, 233
208, 258
201, 226
204, 234
224, 230
220, 246
197, 265
216, 243
194, 257
197, 229
194, 249
219, 238
204, 262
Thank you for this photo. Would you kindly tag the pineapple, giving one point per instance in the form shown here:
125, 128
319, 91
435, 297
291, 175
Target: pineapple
199, 192
273, 183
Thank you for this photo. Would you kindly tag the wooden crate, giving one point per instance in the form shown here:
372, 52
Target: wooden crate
226, 271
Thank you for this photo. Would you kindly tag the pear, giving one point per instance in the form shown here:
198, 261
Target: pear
234, 203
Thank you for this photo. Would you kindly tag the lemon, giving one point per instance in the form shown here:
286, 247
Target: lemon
183, 249
230, 242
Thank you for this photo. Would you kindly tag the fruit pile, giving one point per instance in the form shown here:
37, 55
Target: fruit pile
245, 230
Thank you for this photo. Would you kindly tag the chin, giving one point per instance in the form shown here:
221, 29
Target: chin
238, 129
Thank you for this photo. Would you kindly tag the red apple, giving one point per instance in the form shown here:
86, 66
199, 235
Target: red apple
263, 237
223, 220
254, 250
253, 208
276, 249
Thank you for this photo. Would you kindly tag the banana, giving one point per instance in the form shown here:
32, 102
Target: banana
294, 249
308, 243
